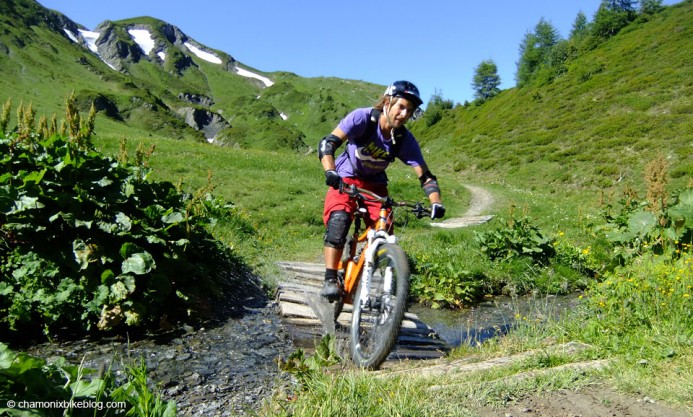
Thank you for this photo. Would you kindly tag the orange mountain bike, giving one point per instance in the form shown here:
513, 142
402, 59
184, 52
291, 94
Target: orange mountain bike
374, 275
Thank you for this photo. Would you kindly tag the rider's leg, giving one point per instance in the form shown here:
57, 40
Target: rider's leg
335, 237
332, 257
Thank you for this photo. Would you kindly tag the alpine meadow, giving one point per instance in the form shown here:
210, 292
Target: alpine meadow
142, 185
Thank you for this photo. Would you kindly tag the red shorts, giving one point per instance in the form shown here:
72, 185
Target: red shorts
335, 201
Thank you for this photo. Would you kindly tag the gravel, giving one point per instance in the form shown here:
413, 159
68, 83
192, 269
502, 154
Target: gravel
227, 367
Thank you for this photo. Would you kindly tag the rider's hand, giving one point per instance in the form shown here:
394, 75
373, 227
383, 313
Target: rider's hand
333, 179
437, 211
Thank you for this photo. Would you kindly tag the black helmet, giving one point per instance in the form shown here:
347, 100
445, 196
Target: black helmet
404, 89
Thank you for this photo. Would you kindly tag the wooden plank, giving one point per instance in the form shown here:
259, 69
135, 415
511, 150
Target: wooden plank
303, 267
305, 277
298, 287
299, 290
296, 310
303, 321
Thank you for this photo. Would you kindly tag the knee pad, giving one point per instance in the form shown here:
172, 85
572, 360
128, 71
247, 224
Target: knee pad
337, 229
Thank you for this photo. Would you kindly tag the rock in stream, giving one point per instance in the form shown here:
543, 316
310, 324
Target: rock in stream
226, 368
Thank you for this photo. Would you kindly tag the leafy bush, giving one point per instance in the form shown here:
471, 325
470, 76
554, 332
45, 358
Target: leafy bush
652, 294
649, 290
635, 229
444, 282
519, 238
435, 109
26, 380
305, 367
88, 242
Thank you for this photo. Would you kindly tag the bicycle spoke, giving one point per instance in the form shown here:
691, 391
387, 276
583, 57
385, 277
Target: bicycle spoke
378, 315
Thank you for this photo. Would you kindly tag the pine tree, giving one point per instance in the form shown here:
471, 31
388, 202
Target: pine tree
486, 80
579, 29
535, 51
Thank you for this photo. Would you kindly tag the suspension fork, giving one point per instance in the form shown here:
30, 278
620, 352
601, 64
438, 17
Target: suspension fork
377, 237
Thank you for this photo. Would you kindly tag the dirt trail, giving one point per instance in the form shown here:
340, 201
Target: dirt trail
481, 201
595, 401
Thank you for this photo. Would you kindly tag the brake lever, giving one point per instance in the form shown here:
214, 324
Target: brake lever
419, 211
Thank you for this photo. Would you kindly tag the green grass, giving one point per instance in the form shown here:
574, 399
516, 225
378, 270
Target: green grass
556, 153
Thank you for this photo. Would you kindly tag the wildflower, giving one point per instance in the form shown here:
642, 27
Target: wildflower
686, 295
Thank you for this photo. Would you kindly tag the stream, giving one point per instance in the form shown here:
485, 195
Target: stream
228, 367
494, 316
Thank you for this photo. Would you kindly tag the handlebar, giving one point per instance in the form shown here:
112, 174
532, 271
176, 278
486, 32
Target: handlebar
359, 193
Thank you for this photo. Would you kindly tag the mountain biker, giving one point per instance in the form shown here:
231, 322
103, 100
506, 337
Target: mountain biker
374, 138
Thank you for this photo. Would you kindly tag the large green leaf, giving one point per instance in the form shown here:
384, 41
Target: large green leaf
642, 222
682, 211
34, 177
174, 217
139, 263
124, 222
26, 203
84, 388
82, 253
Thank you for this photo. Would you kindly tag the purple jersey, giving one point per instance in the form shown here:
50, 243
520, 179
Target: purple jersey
367, 157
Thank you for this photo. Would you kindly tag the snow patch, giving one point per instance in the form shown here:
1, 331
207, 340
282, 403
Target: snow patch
143, 38
245, 73
202, 54
91, 38
70, 35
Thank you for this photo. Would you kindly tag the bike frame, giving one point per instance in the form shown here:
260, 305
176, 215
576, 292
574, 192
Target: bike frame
373, 237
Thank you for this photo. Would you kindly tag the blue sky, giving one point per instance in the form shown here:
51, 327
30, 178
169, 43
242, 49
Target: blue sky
435, 44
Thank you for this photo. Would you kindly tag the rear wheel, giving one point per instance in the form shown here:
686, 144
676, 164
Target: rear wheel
378, 311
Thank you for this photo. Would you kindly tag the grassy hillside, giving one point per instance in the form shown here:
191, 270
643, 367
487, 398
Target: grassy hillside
595, 126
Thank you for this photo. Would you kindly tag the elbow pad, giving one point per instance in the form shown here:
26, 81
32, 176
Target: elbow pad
328, 145
429, 183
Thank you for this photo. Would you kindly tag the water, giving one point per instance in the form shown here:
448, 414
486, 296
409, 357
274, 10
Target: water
493, 317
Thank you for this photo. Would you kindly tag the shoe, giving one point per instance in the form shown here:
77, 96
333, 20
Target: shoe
331, 290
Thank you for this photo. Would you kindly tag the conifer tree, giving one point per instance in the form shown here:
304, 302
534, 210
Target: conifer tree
579, 26
486, 80
535, 50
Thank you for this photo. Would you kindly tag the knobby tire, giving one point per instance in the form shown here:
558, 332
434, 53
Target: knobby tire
375, 324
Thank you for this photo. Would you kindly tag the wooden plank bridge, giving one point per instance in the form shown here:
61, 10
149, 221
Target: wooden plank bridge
301, 308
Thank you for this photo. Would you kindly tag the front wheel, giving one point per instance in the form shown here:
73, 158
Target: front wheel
379, 308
